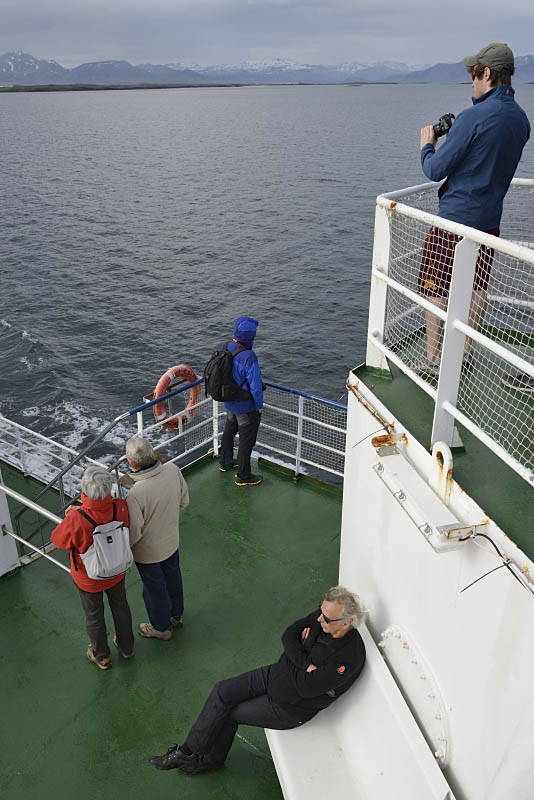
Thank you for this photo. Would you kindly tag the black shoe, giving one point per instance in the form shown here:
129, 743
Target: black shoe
521, 382
252, 480
173, 759
227, 467
198, 764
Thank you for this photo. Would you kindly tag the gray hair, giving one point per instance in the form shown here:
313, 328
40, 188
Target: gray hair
140, 451
96, 483
351, 605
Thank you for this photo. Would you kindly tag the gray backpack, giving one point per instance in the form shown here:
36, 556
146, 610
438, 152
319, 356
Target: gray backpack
110, 553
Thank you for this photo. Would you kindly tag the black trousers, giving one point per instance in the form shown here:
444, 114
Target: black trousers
93, 605
242, 700
247, 425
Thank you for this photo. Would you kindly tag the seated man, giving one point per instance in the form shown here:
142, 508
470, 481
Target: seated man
323, 655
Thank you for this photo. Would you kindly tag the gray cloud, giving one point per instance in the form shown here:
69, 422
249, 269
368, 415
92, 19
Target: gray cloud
210, 31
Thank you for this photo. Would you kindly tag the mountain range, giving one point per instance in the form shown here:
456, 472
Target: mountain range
18, 68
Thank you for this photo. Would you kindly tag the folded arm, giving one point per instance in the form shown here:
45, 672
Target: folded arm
315, 681
294, 643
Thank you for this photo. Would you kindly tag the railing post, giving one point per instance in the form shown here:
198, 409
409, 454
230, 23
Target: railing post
452, 351
118, 480
61, 492
140, 423
299, 435
21, 453
215, 412
9, 557
377, 302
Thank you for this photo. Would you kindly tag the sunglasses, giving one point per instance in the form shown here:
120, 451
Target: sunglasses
328, 620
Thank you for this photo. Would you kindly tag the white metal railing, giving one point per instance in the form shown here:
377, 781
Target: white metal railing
298, 430
301, 431
39, 551
469, 389
34, 454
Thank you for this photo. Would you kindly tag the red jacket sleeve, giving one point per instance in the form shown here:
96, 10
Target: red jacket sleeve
69, 532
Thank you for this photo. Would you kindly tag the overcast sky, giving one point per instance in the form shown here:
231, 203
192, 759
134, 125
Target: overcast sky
230, 31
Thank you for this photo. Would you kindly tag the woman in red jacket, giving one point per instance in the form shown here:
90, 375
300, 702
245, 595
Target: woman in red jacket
75, 533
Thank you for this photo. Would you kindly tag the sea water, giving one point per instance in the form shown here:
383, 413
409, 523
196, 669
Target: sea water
136, 225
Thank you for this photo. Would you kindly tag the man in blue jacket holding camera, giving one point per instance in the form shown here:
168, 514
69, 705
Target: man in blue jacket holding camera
243, 414
478, 160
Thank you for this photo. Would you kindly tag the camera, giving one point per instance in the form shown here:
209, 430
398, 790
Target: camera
443, 125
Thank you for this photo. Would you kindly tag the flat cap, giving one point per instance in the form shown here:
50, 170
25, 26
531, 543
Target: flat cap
495, 55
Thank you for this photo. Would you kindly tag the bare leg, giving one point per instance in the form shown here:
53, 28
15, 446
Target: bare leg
434, 330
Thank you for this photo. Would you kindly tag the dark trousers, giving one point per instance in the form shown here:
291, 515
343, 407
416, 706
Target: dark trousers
247, 425
162, 591
93, 605
237, 701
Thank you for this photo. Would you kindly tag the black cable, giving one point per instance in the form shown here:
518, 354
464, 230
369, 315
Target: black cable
482, 576
505, 560
383, 428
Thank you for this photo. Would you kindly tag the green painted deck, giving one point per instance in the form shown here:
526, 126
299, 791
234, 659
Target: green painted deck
504, 496
253, 560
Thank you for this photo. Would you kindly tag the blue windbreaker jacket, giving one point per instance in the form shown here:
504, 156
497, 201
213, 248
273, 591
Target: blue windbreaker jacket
479, 159
246, 369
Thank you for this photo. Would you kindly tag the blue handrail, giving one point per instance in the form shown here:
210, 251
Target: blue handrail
271, 385
163, 397
317, 399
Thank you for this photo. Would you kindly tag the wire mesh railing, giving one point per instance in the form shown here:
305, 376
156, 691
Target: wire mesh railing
36, 455
301, 431
433, 268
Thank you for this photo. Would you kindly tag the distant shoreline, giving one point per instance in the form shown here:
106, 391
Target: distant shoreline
98, 87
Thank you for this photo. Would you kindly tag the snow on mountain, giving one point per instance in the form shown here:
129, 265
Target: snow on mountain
23, 68
19, 67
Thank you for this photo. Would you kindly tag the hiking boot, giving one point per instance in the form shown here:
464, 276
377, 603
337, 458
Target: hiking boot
228, 467
177, 622
124, 655
171, 760
146, 630
252, 480
521, 382
103, 663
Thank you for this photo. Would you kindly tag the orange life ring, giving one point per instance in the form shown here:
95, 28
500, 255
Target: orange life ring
160, 410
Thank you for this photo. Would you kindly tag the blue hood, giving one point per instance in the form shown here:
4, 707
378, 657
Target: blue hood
245, 330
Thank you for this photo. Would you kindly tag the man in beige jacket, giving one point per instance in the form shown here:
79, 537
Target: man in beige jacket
158, 494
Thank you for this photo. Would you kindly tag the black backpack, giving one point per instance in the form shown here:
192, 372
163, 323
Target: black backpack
218, 380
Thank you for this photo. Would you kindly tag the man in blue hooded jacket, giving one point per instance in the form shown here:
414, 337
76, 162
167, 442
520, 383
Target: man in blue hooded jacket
478, 160
243, 414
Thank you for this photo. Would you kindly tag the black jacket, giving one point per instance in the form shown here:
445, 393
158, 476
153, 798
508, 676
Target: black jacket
338, 662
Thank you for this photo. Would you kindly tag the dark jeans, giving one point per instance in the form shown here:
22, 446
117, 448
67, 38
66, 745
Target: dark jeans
247, 425
162, 591
93, 605
242, 700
